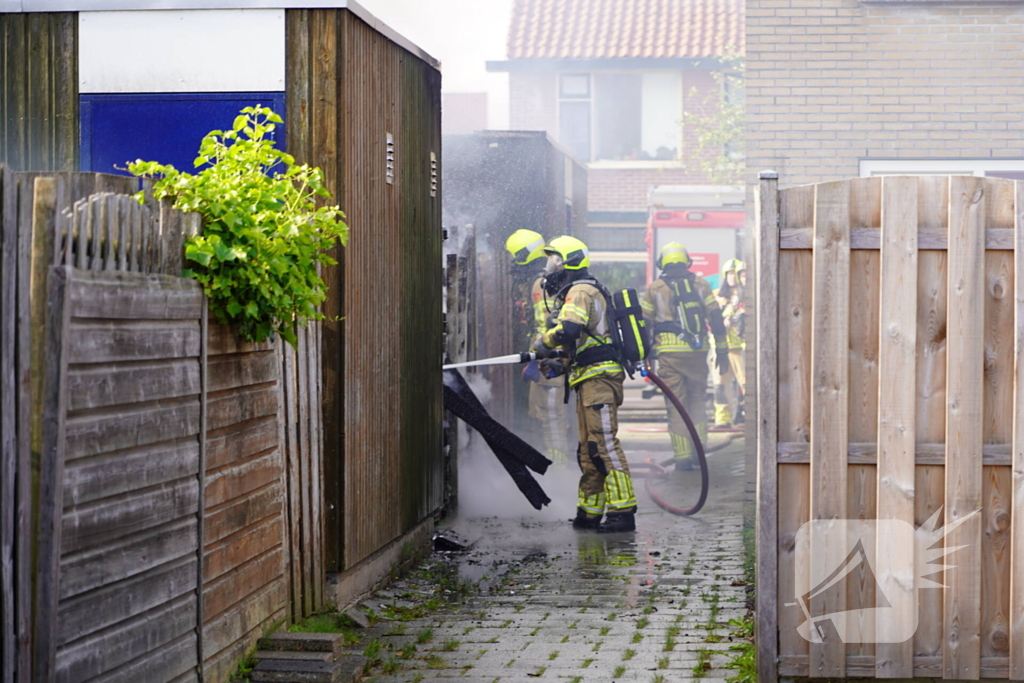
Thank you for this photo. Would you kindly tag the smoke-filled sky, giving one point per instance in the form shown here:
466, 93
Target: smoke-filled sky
463, 34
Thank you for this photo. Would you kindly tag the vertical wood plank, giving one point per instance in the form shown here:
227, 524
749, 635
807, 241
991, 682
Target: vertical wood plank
123, 231
1017, 506
932, 213
8, 421
997, 426
25, 570
865, 283
962, 595
795, 316
896, 424
302, 377
98, 218
48, 361
316, 468
767, 210
84, 226
111, 239
135, 236
291, 459
204, 369
829, 417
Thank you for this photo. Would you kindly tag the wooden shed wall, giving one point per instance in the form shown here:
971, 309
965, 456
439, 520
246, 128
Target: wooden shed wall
348, 88
39, 91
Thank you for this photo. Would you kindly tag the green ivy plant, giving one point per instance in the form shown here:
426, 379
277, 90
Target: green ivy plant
264, 236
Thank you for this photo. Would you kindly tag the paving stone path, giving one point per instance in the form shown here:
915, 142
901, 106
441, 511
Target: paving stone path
548, 603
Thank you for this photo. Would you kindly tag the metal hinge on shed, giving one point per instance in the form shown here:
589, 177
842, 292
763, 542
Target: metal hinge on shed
433, 174
390, 172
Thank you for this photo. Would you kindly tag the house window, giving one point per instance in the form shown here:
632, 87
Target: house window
627, 116
735, 97
574, 114
990, 168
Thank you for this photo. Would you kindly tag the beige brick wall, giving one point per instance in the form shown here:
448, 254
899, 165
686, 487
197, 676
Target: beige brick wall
533, 103
626, 189
831, 82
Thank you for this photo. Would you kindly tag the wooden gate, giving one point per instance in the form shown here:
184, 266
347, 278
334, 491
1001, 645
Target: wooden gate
890, 388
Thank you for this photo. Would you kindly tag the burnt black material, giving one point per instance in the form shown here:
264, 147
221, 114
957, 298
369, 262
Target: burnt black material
513, 453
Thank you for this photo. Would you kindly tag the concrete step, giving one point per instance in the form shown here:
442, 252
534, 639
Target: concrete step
348, 669
293, 655
304, 642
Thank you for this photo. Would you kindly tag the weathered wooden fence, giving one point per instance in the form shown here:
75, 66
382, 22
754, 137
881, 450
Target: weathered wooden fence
460, 327
891, 387
156, 471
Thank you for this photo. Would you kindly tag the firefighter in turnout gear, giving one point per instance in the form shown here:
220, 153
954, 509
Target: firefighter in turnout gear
583, 331
730, 298
682, 307
526, 248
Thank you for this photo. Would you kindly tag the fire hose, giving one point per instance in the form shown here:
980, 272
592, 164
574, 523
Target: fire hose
660, 470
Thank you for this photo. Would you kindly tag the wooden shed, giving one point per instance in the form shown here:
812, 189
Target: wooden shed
362, 445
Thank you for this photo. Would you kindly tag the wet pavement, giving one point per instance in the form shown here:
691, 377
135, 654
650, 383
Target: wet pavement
534, 600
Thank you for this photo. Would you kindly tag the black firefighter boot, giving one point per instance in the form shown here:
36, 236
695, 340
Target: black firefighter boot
616, 522
585, 522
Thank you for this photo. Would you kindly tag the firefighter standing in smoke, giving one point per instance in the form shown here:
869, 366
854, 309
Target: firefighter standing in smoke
583, 332
730, 298
682, 306
528, 257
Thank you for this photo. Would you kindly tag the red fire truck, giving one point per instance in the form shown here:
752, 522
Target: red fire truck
706, 219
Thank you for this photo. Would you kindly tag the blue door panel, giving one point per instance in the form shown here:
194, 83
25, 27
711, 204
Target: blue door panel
167, 128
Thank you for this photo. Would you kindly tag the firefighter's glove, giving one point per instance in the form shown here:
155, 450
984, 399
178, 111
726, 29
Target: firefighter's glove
551, 320
544, 352
553, 367
722, 360
531, 373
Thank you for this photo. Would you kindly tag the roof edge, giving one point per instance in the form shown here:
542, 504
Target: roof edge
39, 6
639, 63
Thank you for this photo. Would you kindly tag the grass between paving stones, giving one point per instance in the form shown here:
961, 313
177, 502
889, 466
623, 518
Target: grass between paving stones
703, 665
743, 655
637, 637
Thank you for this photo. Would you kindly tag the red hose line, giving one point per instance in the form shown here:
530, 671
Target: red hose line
701, 459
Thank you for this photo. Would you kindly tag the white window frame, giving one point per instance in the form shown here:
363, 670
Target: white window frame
611, 164
975, 167
589, 99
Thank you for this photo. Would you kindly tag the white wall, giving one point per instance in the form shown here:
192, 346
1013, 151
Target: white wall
181, 51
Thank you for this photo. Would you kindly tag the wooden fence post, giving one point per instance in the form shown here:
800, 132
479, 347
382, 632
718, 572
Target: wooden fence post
767, 236
49, 320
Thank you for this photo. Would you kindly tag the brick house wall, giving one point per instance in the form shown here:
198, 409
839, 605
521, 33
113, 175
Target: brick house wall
534, 106
832, 82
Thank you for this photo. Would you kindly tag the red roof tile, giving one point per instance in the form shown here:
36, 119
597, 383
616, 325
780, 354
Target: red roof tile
615, 29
